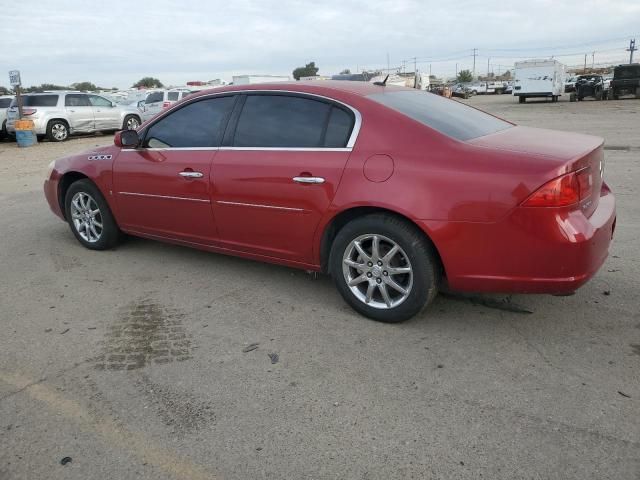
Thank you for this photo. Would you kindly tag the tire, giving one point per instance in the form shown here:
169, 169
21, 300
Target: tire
131, 122
522, 99
572, 97
419, 286
3, 131
81, 196
637, 92
57, 130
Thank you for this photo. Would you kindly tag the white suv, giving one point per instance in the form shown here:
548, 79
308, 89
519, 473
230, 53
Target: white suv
60, 114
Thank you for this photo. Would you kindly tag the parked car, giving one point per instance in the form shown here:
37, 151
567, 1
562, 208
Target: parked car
392, 191
626, 81
589, 86
5, 102
57, 115
161, 99
508, 88
461, 91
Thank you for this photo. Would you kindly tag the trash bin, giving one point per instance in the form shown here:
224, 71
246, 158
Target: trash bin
26, 133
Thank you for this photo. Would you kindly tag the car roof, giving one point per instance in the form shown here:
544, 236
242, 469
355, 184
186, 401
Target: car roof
315, 87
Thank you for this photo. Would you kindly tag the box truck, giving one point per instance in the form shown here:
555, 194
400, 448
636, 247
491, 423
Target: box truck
538, 79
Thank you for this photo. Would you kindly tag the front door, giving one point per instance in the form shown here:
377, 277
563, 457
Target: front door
106, 115
278, 173
79, 112
162, 188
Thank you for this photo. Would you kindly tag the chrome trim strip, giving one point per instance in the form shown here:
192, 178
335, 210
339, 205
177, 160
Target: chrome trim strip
169, 197
350, 144
273, 207
288, 149
204, 149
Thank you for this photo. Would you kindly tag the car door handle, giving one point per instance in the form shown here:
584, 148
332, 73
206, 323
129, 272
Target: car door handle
311, 180
191, 174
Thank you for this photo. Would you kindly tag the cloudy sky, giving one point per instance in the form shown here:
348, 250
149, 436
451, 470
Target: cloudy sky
118, 42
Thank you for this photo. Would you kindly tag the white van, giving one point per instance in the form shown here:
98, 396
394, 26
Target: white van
538, 78
161, 99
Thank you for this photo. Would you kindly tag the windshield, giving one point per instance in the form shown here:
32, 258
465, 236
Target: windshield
5, 102
37, 101
449, 117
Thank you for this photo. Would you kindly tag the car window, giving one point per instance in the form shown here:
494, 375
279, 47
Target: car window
339, 128
97, 101
448, 117
281, 121
154, 97
76, 100
198, 124
173, 96
184, 94
5, 102
37, 101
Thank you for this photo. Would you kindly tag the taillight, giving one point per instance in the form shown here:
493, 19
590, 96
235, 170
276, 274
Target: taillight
166, 104
563, 191
29, 111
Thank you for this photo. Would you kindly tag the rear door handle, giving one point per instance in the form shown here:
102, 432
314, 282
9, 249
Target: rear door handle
191, 174
311, 180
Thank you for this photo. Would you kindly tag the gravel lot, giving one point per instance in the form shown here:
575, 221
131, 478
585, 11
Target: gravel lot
472, 389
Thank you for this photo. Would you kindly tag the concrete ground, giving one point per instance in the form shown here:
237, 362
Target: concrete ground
473, 388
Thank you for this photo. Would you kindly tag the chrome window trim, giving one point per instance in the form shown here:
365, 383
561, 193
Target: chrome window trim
257, 205
264, 149
168, 197
357, 124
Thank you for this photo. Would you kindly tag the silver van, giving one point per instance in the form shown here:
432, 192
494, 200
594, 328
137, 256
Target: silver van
57, 115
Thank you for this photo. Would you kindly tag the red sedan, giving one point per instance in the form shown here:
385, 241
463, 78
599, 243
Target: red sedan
394, 192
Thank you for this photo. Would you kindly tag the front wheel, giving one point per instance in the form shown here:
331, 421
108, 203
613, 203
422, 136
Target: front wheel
384, 268
89, 216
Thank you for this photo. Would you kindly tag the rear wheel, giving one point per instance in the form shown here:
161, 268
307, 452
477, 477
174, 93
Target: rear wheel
57, 130
521, 99
89, 216
384, 268
131, 122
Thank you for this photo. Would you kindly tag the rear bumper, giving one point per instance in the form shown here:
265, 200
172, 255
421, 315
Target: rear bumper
39, 125
534, 250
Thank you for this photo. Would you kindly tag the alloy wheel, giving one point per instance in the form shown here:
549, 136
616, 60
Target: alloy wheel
86, 216
377, 271
132, 123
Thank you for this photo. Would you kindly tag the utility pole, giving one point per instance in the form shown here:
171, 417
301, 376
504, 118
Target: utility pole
488, 59
475, 52
593, 60
585, 63
429, 69
415, 65
632, 48
456, 69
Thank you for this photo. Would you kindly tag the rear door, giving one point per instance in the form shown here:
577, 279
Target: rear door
79, 112
162, 188
107, 117
277, 172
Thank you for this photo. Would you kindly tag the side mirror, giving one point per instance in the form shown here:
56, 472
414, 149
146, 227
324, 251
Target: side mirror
126, 139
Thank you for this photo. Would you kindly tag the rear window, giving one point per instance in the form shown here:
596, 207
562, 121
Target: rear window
5, 102
448, 117
37, 101
173, 96
627, 71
